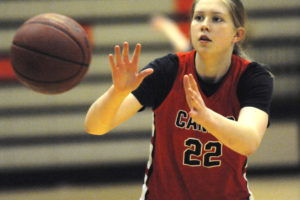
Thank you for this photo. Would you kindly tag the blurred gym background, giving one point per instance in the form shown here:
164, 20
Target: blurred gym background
44, 150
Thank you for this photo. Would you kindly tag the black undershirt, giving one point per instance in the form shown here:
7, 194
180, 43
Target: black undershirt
254, 88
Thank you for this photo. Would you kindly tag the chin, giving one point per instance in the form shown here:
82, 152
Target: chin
203, 50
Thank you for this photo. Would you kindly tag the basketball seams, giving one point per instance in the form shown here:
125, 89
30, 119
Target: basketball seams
46, 54
50, 82
65, 32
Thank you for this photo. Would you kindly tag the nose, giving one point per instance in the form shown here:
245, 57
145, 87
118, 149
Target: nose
205, 25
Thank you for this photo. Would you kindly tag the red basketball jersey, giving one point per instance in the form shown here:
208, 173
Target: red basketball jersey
187, 162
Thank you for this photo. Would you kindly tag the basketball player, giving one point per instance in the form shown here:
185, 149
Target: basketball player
210, 106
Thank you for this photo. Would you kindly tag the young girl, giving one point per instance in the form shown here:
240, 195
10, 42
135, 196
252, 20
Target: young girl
210, 107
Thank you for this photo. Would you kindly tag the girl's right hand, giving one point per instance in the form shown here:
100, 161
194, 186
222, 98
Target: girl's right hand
125, 74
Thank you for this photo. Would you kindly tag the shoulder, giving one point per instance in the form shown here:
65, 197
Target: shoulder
165, 69
255, 87
171, 61
155, 87
254, 72
164, 62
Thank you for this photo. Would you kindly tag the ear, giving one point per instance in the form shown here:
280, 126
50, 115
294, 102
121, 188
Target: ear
240, 34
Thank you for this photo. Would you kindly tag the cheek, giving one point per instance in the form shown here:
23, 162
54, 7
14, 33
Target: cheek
225, 35
193, 27
194, 32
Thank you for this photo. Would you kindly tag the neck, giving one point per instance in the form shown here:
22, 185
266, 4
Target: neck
212, 67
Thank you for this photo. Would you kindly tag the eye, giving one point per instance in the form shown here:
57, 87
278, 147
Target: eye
217, 19
199, 17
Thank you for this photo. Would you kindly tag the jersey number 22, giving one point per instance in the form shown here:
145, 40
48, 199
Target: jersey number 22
193, 152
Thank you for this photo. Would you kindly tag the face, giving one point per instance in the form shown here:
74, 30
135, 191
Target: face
212, 28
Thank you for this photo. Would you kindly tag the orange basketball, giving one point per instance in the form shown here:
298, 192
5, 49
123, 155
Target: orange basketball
50, 53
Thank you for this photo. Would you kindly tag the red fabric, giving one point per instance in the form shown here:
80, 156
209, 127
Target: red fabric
183, 8
185, 28
89, 31
6, 71
177, 170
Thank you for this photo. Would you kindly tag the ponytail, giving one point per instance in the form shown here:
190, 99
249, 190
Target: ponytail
239, 51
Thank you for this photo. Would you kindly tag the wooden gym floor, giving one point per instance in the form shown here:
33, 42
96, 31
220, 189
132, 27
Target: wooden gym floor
265, 188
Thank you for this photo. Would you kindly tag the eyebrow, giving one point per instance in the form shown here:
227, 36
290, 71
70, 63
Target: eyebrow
214, 12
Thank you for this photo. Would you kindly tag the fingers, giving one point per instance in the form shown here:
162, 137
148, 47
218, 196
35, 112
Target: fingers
193, 96
186, 83
136, 54
125, 52
189, 82
124, 57
112, 62
193, 83
187, 87
195, 99
118, 54
143, 74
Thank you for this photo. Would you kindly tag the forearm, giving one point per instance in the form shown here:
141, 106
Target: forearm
242, 136
117, 104
238, 136
102, 113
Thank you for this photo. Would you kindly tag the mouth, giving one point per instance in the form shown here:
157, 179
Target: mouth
204, 38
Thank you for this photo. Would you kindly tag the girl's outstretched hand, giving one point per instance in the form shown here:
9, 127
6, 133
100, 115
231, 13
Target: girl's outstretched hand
194, 98
125, 74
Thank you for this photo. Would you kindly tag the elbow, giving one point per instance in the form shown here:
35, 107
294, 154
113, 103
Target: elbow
253, 145
94, 130
251, 150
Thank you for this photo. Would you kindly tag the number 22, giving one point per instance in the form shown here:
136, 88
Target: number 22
191, 156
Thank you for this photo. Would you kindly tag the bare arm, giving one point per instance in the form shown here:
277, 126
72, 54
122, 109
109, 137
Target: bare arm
243, 136
117, 104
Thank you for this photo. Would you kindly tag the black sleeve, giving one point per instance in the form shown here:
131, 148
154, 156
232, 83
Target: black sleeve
155, 88
255, 87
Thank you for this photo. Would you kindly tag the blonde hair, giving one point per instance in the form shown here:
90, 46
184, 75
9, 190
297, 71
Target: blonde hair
238, 15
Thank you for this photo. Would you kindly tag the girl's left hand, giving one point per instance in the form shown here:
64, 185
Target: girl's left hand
194, 98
